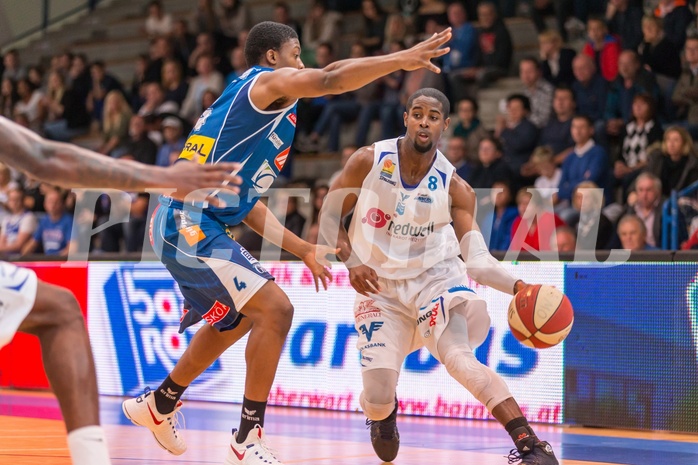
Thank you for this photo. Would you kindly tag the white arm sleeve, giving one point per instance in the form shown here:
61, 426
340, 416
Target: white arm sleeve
482, 266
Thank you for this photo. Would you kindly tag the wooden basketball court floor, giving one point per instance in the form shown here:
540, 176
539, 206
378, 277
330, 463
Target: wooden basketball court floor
31, 433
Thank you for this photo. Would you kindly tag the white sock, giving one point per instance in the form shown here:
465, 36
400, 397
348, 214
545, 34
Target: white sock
88, 446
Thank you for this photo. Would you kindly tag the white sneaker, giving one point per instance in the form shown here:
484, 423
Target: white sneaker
142, 411
251, 452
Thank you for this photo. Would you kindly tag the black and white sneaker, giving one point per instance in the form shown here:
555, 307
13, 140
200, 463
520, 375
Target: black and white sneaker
540, 454
385, 437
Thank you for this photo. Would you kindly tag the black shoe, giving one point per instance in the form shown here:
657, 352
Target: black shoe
541, 454
385, 437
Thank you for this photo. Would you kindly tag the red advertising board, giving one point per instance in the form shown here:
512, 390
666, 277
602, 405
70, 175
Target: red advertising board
20, 361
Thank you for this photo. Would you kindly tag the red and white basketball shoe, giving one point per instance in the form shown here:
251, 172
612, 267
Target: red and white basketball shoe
254, 451
143, 412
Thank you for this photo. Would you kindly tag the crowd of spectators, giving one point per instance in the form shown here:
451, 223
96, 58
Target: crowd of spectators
606, 114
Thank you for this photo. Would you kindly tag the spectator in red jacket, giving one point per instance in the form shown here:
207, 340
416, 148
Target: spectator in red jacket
534, 227
603, 48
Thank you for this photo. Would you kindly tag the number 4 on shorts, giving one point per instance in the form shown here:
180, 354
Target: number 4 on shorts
240, 285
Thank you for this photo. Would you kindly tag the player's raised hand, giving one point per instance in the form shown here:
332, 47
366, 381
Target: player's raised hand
317, 262
420, 55
194, 181
364, 280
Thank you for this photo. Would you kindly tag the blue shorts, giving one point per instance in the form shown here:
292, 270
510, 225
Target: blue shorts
216, 275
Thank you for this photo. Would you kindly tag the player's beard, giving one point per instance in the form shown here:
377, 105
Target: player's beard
423, 148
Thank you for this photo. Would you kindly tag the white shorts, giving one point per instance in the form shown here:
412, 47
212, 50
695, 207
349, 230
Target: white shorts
413, 313
17, 296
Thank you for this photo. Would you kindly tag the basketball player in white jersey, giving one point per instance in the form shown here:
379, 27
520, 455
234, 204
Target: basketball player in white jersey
30, 305
412, 218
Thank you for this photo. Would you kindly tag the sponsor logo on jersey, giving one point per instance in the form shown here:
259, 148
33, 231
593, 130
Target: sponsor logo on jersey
410, 230
432, 314
248, 256
280, 159
202, 119
388, 168
400, 209
216, 313
372, 345
263, 178
387, 171
292, 118
424, 198
192, 234
197, 148
366, 310
276, 140
388, 180
376, 218
182, 219
372, 328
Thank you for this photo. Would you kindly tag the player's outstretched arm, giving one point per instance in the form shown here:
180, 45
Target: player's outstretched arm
264, 223
68, 165
481, 265
346, 75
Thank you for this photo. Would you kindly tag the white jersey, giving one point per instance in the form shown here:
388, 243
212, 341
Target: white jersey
400, 230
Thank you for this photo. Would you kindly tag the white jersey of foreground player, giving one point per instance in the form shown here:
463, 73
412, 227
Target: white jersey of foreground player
399, 230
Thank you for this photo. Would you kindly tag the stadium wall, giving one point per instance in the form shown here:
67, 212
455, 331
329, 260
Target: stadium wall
630, 361
17, 18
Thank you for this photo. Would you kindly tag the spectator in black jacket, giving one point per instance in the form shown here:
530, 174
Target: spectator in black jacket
518, 134
491, 167
556, 60
556, 134
495, 47
69, 116
661, 56
657, 52
677, 17
139, 147
676, 163
102, 84
624, 19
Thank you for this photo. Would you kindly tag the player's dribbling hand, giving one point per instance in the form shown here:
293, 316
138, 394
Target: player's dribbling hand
364, 280
420, 55
318, 264
194, 181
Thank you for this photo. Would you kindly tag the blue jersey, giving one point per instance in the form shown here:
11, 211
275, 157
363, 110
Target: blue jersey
234, 130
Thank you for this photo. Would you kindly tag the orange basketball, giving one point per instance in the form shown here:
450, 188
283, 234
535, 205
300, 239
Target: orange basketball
540, 316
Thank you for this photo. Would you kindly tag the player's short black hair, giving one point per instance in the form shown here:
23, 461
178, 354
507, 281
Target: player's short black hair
266, 36
433, 93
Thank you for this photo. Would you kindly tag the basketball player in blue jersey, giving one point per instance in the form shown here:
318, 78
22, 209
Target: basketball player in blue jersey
412, 217
51, 313
253, 123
